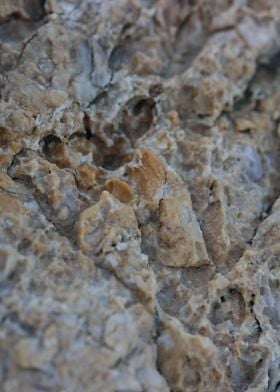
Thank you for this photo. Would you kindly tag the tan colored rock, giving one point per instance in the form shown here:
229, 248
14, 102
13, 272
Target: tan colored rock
182, 357
9, 203
139, 195
117, 220
180, 238
29, 356
149, 175
109, 231
86, 176
119, 189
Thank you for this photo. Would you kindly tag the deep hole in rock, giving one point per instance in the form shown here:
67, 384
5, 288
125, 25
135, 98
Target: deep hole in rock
138, 117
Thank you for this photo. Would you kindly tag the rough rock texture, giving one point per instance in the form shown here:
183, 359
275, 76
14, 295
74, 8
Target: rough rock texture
139, 195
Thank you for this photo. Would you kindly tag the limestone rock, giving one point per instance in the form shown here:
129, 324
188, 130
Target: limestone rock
139, 195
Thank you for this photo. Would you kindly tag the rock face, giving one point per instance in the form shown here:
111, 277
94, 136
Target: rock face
139, 196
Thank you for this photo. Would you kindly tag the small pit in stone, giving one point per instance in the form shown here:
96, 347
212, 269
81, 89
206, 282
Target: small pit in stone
113, 156
230, 307
138, 117
56, 151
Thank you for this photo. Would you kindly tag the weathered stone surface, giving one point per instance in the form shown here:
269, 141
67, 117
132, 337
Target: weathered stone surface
139, 196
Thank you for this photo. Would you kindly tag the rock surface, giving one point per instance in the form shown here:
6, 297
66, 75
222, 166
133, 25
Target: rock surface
139, 195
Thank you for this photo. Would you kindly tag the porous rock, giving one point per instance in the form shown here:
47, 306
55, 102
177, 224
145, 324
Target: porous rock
139, 196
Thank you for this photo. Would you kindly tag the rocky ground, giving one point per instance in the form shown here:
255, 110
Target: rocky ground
139, 195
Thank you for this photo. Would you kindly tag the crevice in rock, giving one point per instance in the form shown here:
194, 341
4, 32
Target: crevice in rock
23, 10
137, 117
64, 228
271, 63
184, 48
87, 127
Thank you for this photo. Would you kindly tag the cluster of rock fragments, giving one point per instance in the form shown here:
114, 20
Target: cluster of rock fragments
139, 185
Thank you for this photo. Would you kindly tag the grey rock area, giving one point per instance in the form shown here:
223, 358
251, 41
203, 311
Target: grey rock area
139, 196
